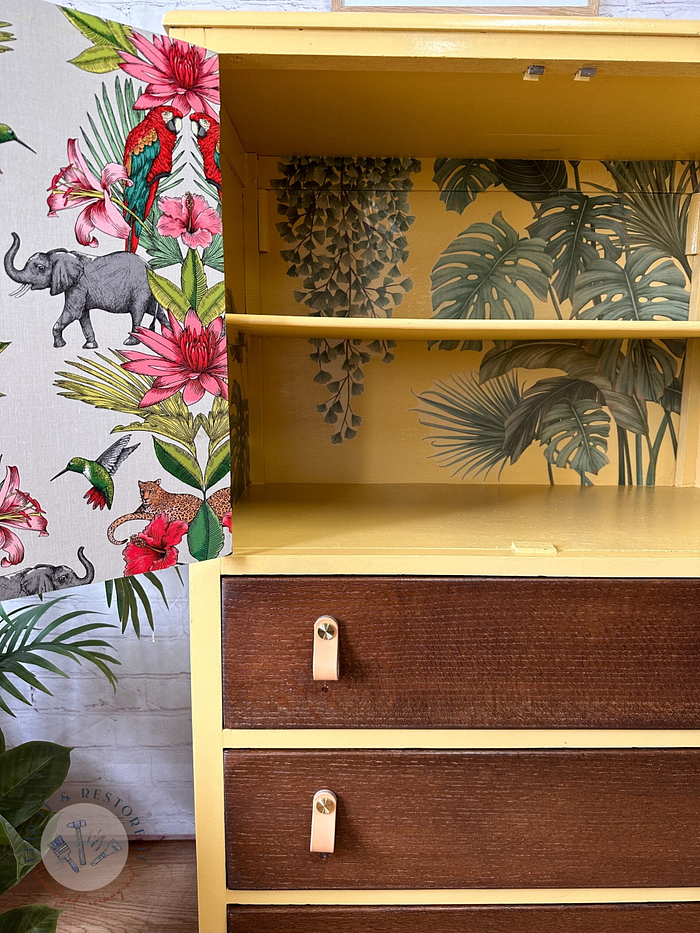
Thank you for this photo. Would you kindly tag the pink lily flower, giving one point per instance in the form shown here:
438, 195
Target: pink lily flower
176, 73
75, 186
189, 217
191, 358
17, 510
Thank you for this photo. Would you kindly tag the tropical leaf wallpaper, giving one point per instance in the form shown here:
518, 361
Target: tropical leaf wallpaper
468, 239
114, 367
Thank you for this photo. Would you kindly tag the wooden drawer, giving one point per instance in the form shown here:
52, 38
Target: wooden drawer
453, 652
461, 819
594, 918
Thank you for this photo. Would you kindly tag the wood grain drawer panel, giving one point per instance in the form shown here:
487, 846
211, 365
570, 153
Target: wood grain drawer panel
462, 819
464, 653
605, 918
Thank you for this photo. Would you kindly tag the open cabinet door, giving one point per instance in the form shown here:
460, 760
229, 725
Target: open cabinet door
113, 352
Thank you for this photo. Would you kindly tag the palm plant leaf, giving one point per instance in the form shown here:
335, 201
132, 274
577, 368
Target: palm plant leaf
575, 227
106, 137
523, 425
482, 272
647, 287
576, 361
657, 203
461, 180
5, 37
471, 422
574, 434
24, 645
132, 599
532, 179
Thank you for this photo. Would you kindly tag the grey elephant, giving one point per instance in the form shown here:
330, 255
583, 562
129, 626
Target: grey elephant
117, 283
44, 578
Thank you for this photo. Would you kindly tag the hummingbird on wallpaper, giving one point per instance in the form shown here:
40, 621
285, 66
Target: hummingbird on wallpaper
99, 472
8, 135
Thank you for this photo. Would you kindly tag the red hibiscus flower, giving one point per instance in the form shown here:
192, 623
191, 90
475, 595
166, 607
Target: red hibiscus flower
76, 187
226, 521
189, 217
176, 73
191, 358
17, 510
155, 548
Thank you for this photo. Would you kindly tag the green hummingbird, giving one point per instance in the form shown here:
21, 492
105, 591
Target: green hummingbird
8, 135
99, 472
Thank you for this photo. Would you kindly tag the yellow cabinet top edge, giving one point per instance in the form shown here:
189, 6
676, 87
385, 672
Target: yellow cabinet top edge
429, 22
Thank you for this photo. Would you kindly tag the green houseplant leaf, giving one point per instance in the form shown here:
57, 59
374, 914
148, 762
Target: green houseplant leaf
34, 918
179, 463
532, 179
575, 226
483, 274
461, 180
29, 775
24, 854
205, 537
574, 434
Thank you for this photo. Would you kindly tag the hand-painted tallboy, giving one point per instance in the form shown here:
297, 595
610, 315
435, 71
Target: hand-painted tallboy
448, 680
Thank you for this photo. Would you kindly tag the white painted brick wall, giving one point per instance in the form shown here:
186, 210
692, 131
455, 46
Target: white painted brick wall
137, 742
148, 14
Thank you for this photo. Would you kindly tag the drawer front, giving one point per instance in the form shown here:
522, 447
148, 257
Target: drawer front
425, 819
607, 918
464, 653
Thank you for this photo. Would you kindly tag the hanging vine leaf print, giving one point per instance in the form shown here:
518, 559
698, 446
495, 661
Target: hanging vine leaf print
114, 366
346, 221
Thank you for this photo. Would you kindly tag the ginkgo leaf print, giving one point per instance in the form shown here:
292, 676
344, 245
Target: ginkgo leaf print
487, 272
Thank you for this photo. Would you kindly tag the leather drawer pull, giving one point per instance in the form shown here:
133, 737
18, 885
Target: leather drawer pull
326, 637
323, 811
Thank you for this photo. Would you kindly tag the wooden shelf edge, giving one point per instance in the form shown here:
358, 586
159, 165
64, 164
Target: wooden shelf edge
289, 325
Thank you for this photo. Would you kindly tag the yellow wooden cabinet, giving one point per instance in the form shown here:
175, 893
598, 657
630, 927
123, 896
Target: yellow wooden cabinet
520, 255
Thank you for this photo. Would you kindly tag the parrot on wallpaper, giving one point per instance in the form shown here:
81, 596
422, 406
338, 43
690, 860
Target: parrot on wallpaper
99, 472
148, 157
206, 132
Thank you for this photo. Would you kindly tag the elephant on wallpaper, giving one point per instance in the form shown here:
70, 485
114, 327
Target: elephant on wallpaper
44, 578
117, 283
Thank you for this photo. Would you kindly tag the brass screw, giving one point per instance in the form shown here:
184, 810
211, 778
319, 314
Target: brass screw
325, 805
326, 630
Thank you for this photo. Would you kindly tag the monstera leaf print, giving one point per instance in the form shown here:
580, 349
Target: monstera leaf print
648, 286
461, 180
484, 273
576, 227
575, 435
532, 179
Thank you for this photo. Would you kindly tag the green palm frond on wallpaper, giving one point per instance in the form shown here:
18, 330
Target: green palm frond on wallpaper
346, 220
24, 645
616, 254
5, 37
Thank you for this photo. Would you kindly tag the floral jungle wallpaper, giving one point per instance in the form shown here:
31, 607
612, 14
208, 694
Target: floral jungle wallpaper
485, 239
115, 431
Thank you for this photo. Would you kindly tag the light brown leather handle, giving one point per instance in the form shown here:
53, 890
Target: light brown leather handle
326, 638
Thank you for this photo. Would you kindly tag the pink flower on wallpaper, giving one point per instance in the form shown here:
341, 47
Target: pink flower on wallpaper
191, 358
175, 72
75, 186
189, 217
155, 548
17, 510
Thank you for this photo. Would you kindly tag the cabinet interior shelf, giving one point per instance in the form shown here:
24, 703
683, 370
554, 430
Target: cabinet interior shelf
291, 325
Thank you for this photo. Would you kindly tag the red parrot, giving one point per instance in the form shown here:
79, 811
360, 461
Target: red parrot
148, 157
206, 132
